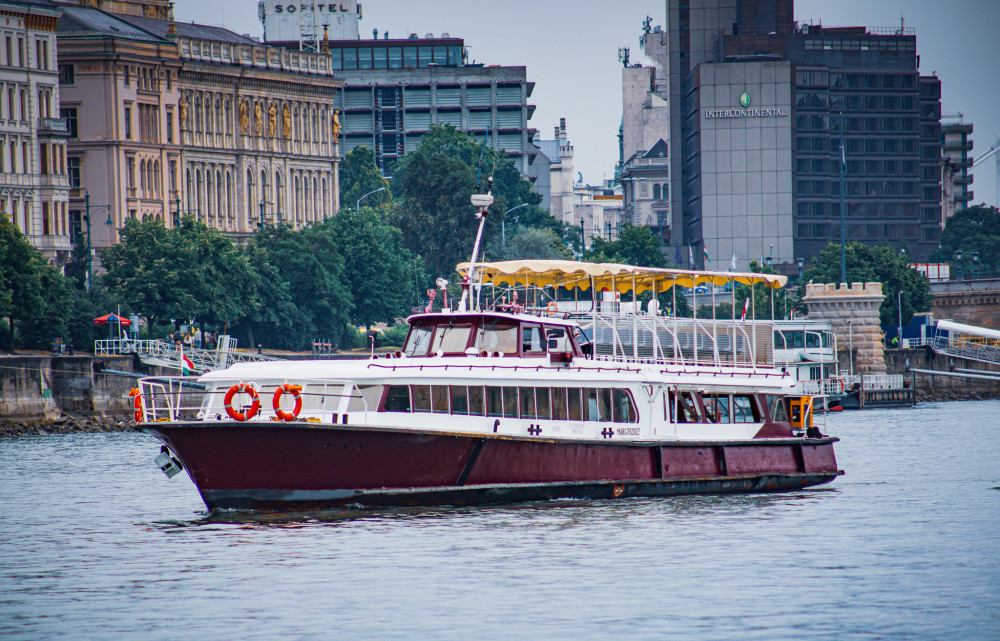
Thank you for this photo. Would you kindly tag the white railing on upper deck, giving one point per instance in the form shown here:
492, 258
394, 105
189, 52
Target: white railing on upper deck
685, 341
180, 398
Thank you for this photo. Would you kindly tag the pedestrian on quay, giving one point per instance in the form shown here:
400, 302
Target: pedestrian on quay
197, 338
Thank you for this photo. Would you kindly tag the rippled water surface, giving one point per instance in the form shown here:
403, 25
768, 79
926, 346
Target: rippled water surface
95, 543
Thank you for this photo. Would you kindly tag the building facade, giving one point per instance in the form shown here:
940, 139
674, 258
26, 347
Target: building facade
34, 188
552, 174
171, 119
757, 107
955, 178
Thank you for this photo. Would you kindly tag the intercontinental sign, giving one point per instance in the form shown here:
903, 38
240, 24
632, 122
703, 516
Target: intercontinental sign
746, 112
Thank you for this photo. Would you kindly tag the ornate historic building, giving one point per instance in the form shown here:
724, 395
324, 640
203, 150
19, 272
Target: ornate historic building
33, 184
171, 119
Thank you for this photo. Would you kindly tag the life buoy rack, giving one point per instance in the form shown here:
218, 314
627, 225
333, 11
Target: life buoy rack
552, 308
294, 390
136, 404
254, 406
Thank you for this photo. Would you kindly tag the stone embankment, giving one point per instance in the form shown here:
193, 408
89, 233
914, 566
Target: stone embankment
66, 424
942, 387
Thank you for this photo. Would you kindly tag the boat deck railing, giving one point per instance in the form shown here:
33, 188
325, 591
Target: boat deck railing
202, 359
183, 398
682, 341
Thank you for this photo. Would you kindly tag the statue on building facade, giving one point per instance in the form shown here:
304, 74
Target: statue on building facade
183, 104
272, 120
286, 122
336, 125
258, 118
244, 118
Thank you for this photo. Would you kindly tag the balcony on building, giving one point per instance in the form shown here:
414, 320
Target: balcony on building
58, 127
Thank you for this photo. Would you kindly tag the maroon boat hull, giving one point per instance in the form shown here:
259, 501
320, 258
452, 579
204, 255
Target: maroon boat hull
307, 466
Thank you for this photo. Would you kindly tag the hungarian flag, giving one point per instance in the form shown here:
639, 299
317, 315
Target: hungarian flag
704, 252
187, 367
746, 306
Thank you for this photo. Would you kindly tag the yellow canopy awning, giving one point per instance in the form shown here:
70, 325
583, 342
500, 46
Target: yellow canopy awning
610, 276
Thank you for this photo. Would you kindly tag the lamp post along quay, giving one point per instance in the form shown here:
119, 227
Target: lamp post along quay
503, 223
90, 246
358, 205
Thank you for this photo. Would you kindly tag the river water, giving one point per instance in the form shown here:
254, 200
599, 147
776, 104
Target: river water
95, 543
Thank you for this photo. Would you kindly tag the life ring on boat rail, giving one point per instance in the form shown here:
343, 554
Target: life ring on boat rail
294, 391
136, 404
552, 308
254, 406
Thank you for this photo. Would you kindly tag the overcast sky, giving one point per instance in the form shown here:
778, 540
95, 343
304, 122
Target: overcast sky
570, 49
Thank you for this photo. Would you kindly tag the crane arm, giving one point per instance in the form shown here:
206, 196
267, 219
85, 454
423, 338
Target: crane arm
989, 154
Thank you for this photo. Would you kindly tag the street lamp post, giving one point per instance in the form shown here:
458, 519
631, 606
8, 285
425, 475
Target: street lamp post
800, 261
358, 205
899, 309
90, 249
503, 222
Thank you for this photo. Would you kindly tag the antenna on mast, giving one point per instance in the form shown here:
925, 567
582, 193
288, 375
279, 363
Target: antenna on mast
482, 204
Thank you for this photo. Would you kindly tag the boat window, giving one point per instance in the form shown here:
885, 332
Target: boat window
459, 399
717, 408
421, 398
559, 404
527, 402
779, 340
623, 408
779, 411
451, 339
397, 399
812, 340
682, 408
439, 398
510, 402
797, 339
575, 405
542, 402
476, 406
598, 404
531, 340
745, 409
418, 341
494, 401
497, 337
557, 339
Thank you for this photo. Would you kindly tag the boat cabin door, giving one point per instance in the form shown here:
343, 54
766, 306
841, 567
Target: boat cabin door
801, 413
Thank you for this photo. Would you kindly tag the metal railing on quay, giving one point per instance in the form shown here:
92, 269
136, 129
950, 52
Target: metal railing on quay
202, 359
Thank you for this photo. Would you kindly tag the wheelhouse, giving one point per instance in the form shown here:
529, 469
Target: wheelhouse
490, 334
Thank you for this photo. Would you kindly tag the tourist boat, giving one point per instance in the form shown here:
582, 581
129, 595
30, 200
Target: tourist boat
506, 402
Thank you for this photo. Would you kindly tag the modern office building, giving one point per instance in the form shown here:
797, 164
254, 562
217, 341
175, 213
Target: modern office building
169, 119
757, 106
956, 179
396, 88
34, 188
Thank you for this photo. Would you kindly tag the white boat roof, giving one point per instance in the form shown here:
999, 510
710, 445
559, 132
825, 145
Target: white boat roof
962, 328
610, 276
516, 318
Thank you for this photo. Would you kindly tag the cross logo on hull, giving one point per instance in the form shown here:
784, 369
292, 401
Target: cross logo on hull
607, 432
534, 430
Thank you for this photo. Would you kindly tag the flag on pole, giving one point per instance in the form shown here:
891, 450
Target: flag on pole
690, 256
732, 264
187, 367
678, 258
704, 252
746, 306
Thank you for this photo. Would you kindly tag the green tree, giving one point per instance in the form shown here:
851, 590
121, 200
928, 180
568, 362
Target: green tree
191, 271
875, 264
971, 232
382, 274
532, 243
359, 175
435, 182
20, 295
634, 246
274, 306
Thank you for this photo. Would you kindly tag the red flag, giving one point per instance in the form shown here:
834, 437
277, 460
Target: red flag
746, 306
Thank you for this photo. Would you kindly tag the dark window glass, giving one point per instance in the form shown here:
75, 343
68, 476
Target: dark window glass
559, 404
476, 406
409, 57
531, 340
510, 402
682, 408
459, 399
574, 404
397, 399
421, 398
542, 409
623, 410
380, 57
439, 398
454, 56
425, 56
745, 409
527, 402
364, 58
494, 401
440, 55
717, 407
350, 58
395, 57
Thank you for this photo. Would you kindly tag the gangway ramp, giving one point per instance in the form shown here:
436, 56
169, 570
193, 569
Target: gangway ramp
163, 354
965, 341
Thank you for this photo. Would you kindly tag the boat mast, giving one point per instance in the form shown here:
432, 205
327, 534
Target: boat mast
482, 204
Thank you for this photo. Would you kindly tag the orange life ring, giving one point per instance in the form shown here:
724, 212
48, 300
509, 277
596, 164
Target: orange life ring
552, 308
254, 407
294, 391
137, 404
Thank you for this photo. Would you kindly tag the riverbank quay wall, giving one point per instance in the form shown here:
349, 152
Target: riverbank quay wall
943, 387
41, 388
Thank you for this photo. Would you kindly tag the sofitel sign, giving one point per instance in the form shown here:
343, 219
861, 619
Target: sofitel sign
746, 112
